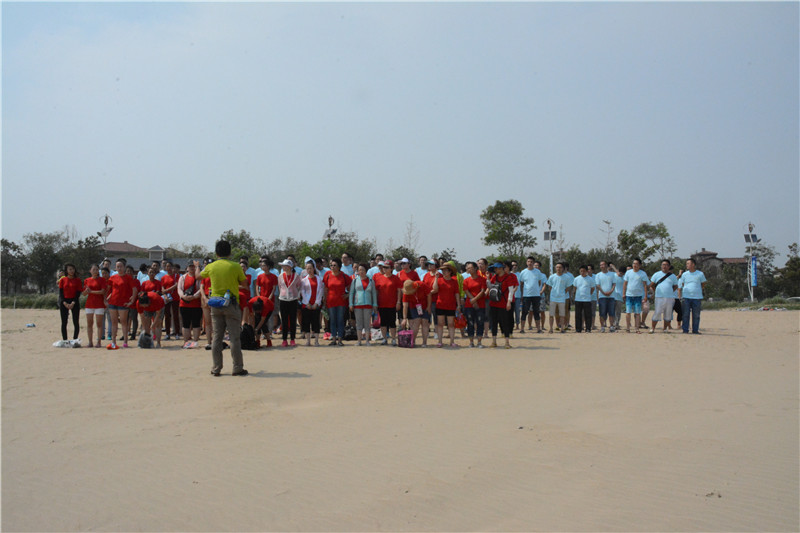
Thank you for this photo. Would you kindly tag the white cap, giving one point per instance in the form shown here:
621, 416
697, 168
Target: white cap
287, 262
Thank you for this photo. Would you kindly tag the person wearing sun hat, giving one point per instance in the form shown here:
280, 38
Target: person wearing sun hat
502, 311
389, 289
416, 301
289, 293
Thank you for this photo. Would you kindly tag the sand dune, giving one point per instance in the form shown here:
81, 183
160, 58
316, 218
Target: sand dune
566, 432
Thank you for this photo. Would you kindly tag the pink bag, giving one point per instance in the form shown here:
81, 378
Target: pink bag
405, 338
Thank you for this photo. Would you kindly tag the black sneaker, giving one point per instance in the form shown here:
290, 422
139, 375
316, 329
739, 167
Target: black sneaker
215, 374
242, 372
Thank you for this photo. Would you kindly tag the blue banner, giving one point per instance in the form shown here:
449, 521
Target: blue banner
754, 272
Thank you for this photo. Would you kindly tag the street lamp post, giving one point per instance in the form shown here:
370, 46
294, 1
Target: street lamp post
751, 239
550, 236
104, 233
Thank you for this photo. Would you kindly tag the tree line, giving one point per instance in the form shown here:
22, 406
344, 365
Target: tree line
32, 264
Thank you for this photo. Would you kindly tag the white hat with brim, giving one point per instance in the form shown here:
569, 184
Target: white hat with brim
287, 262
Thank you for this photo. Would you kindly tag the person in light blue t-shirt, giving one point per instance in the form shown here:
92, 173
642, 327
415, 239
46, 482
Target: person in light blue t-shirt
690, 290
664, 283
584, 295
634, 288
606, 288
559, 286
570, 293
531, 286
378, 259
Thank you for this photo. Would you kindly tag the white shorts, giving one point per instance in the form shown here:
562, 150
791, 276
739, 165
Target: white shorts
663, 309
559, 308
95, 311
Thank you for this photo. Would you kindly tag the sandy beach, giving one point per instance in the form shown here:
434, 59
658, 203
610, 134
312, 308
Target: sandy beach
600, 432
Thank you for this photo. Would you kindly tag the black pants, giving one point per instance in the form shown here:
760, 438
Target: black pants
76, 323
499, 315
288, 318
310, 320
583, 316
134, 316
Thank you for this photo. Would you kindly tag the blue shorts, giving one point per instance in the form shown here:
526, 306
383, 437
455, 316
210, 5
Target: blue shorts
633, 304
117, 307
606, 307
413, 314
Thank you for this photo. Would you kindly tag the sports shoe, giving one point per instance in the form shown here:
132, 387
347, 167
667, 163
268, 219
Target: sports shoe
167, 338
284, 344
242, 372
602, 329
292, 343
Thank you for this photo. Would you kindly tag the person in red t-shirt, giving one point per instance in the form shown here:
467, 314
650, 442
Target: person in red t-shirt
448, 301
389, 289
95, 291
152, 312
190, 293
244, 292
156, 321
336, 285
122, 294
416, 301
406, 272
69, 295
502, 311
474, 303
133, 315
171, 305
262, 307
267, 287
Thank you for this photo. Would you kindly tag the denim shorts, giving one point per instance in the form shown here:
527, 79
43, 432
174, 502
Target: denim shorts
413, 314
117, 307
633, 304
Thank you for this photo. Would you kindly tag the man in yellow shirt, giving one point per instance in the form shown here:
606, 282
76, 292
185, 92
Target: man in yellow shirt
226, 276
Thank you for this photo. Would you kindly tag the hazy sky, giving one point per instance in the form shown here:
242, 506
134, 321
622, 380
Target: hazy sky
184, 120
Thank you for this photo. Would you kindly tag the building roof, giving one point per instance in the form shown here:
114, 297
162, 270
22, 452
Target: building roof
124, 248
734, 260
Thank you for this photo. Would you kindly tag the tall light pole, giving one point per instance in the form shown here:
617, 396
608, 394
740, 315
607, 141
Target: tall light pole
550, 236
104, 233
751, 239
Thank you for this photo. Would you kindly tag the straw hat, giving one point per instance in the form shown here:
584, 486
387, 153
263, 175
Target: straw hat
409, 287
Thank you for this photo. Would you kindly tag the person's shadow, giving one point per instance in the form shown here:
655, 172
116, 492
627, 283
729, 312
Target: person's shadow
262, 374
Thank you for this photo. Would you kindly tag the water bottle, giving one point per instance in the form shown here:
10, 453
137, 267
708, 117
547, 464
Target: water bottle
227, 298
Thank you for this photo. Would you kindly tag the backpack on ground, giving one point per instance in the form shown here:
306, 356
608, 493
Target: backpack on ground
350, 333
145, 340
248, 338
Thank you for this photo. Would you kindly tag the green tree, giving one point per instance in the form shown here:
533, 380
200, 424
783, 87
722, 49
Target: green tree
505, 226
42, 250
401, 252
13, 265
242, 243
190, 250
83, 253
645, 241
790, 273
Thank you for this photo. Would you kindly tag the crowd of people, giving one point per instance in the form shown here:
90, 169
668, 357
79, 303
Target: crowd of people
338, 299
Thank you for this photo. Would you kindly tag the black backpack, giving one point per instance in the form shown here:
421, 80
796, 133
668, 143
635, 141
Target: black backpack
248, 338
350, 333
